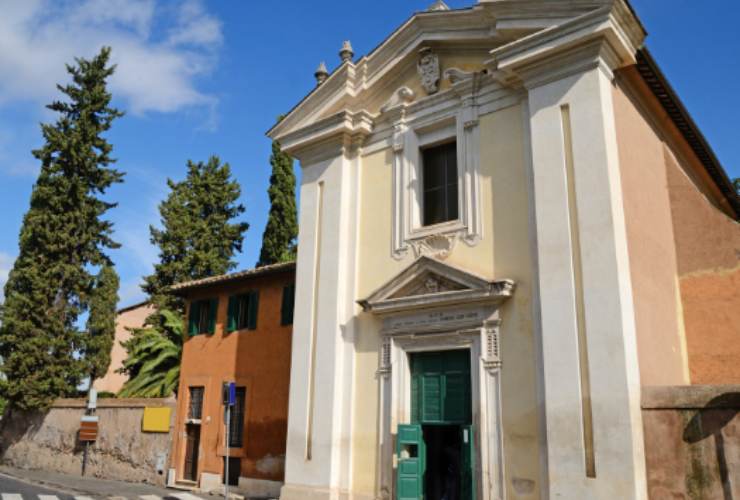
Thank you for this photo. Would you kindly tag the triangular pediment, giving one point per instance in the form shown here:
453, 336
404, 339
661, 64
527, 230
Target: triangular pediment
465, 36
429, 283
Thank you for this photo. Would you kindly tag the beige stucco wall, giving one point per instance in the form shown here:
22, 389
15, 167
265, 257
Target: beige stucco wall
504, 252
132, 318
650, 240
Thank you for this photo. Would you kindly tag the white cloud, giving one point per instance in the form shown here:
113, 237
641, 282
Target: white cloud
156, 71
6, 263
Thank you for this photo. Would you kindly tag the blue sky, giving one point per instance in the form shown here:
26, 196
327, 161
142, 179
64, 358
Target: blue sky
198, 78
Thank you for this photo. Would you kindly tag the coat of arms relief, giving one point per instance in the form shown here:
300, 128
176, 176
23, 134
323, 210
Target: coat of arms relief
428, 68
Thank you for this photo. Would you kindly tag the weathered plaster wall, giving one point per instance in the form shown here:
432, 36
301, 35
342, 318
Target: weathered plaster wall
256, 359
708, 251
692, 442
652, 253
132, 318
122, 451
504, 252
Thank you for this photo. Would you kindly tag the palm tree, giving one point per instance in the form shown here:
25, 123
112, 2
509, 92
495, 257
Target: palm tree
153, 362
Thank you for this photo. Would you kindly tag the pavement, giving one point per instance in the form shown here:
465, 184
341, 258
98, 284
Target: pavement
21, 484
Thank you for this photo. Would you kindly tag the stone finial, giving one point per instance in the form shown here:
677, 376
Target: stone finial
346, 54
321, 73
438, 5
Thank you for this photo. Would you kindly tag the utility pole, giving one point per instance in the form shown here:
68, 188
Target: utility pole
87, 421
229, 400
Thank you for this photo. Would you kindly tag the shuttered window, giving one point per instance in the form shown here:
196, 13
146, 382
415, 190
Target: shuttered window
236, 423
243, 309
286, 310
202, 317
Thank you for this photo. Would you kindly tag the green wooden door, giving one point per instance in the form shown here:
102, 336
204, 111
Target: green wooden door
467, 464
440, 387
411, 462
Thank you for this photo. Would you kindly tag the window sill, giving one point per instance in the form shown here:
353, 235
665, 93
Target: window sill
439, 228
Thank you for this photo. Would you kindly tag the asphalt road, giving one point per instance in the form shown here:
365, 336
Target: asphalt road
10, 486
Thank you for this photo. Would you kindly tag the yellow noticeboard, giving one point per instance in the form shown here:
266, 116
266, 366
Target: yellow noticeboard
156, 420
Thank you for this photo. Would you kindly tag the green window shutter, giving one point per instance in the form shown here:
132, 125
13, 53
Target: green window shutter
212, 312
286, 311
254, 299
233, 314
193, 320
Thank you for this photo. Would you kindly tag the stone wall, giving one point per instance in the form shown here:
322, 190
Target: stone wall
49, 441
692, 441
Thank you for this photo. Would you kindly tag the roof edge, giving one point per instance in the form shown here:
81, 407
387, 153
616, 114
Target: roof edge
181, 288
681, 118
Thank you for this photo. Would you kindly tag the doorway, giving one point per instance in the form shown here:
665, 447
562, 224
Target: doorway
441, 429
191, 452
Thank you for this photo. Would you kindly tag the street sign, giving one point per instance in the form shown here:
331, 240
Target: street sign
92, 399
232, 394
229, 394
88, 430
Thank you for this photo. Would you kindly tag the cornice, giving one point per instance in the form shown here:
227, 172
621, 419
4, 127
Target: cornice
350, 79
609, 35
345, 126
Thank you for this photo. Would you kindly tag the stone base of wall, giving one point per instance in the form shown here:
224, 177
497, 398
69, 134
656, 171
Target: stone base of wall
692, 441
32, 440
259, 488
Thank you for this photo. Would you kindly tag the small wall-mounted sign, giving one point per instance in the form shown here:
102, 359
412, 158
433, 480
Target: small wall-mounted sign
89, 428
156, 419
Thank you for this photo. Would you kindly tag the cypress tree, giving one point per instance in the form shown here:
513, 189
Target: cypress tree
101, 323
198, 236
279, 238
62, 240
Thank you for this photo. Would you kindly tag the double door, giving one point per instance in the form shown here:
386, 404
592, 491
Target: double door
436, 452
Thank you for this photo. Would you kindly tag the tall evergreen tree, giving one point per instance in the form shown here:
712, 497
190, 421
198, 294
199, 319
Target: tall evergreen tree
101, 323
62, 240
279, 238
198, 236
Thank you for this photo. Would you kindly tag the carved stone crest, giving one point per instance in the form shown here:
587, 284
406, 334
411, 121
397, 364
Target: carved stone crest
428, 68
435, 245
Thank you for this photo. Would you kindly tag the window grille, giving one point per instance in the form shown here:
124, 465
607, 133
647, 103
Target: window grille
236, 429
195, 409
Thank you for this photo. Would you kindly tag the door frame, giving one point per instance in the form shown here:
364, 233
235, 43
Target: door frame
482, 342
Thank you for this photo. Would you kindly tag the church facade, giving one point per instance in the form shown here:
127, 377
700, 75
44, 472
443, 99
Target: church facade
493, 240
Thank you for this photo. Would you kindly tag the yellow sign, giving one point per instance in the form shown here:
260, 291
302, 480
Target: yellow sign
156, 420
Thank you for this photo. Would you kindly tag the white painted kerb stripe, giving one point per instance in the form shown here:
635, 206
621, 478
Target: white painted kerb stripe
48, 497
12, 496
84, 498
184, 496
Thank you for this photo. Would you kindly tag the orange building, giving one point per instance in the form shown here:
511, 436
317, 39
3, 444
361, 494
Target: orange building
239, 329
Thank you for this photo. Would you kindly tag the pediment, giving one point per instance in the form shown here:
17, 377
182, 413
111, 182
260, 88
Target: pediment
462, 38
429, 283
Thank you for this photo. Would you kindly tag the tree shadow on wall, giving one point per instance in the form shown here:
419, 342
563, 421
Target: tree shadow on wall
709, 421
15, 425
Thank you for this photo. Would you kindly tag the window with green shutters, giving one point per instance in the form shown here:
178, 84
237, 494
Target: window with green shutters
202, 317
286, 310
243, 309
